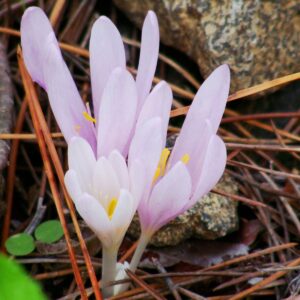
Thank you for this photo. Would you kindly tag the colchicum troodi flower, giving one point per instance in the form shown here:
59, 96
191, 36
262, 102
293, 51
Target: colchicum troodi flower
99, 135
100, 191
116, 146
193, 168
117, 97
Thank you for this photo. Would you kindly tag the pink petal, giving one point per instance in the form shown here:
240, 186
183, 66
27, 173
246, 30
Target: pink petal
137, 181
82, 160
211, 98
73, 185
213, 168
96, 218
202, 120
119, 165
106, 53
146, 146
157, 104
117, 112
35, 30
65, 100
192, 141
167, 199
148, 57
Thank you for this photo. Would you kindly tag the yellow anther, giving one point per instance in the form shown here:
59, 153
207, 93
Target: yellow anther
88, 117
111, 207
161, 168
163, 160
157, 174
185, 158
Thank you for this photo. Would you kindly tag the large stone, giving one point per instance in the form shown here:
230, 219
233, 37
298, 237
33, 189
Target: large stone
260, 39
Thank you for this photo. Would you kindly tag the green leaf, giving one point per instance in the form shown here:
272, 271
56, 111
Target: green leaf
49, 232
16, 284
20, 244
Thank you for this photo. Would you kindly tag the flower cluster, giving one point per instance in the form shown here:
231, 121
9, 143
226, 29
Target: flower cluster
117, 158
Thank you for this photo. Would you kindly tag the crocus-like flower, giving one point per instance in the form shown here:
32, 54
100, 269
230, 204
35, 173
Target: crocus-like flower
98, 179
100, 191
45, 64
195, 165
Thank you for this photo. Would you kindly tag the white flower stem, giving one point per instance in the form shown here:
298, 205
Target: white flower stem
109, 263
142, 244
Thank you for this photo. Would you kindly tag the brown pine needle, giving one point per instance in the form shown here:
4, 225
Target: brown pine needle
11, 175
44, 131
250, 256
144, 285
28, 85
26, 136
265, 281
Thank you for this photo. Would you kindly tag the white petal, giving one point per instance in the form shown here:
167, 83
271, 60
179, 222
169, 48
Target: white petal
117, 113
213, 168
82, 160
106, 53
96, 218
119, 165
169, 196
148, 57
122, 216
157, 104
73, 185
105, 182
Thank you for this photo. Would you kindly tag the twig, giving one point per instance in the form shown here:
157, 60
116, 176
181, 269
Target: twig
145, 286
11, 175
30, 93
168, 280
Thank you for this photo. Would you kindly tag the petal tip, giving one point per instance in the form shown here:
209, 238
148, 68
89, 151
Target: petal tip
151, 16
32, 9
225, 70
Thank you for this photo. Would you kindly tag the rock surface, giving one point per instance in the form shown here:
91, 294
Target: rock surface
260, 40
6, 106
212, 217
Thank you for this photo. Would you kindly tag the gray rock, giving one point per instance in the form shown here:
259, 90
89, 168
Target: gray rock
260, 40
6, 106
212, 217
6, 118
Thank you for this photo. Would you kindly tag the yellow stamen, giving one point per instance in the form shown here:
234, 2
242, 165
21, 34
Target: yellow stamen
111, 207
163, 160
161, 168
185, 158
88, 117
157, 174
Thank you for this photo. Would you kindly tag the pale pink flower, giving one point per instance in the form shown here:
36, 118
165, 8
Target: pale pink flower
117, 97
197, 160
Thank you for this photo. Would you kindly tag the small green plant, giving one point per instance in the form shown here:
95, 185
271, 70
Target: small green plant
23, 243
20, 244
49, 232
